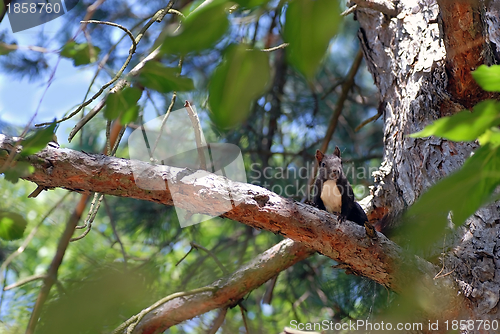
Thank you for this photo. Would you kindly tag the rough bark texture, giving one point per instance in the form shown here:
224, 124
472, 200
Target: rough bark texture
466, 48
420, 61
200, 192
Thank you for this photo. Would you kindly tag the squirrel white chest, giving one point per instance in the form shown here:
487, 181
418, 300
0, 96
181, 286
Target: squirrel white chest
331, 196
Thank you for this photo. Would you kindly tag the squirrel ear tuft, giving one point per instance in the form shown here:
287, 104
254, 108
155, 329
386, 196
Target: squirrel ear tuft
337, 151
319, 155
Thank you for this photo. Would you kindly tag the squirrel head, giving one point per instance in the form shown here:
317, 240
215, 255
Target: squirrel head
330, 165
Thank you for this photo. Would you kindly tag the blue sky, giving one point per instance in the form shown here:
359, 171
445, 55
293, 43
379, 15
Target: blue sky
19, 98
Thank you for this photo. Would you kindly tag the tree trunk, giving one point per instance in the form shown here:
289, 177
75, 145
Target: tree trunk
421, 60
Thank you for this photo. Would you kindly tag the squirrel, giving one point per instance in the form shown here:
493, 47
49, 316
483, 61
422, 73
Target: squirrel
333, 192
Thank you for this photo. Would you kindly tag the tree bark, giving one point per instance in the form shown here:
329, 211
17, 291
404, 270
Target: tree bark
200, 192
421, 62
420, 54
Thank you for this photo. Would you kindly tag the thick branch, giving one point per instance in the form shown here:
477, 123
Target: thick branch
202, 192
227, 291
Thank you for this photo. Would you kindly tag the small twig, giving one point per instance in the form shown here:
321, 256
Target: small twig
24, 281
349, 10
115, 232
129, 33
133, 321
176, 12
274, 48
329, 91
29, 47
90, 11
438, 275
185, 256
100, 66
346, 87
90, 217
444, 275
150, 99
167, 114
268, 295
218, 321
92, 54
96, 109
195, 121
212, 255
242, 309
85, 223
108, 135
119, 86
369, 120
118, 139
93, 210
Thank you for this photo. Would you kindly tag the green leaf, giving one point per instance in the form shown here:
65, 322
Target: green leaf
38, 140
164, 79
237, 81
98, 300
464, 126
200, 30
462, 193
309, 27
5, 49
12, 225
21, 169
491, 136
488, 77
80, 53
123, 104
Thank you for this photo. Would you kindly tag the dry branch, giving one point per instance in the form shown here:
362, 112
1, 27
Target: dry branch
380, 260
225, 292
201, 192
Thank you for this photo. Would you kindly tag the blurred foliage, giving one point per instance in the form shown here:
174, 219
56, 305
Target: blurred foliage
200, 30
81, 54
238, 80
309, 27
164, 79
275, 106
12, 225
465, 125
488, 77
37, 140
123, 104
